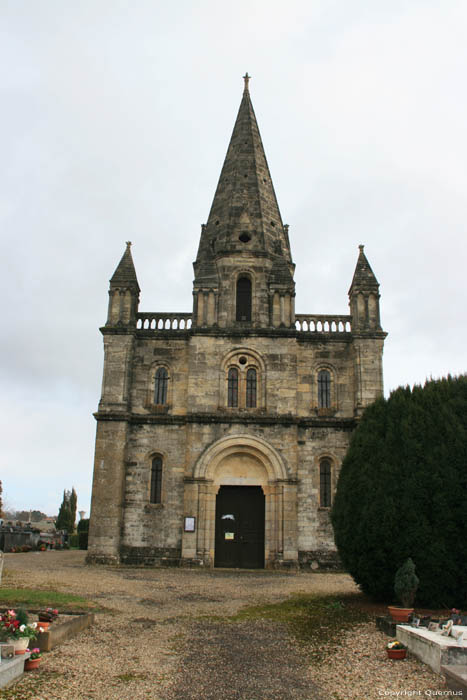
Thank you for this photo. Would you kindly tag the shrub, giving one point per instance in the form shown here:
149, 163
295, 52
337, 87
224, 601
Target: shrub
402, 492
406, 583
74, 541
83, 528
83, 525
83, 539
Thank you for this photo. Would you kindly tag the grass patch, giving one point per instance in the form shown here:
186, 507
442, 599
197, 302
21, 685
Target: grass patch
316, 621
31, 685
129, 677
30, 598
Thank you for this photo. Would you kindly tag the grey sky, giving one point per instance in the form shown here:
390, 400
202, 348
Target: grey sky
115, 121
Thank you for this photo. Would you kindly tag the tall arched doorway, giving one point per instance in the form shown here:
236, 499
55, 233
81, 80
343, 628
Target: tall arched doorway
240, 480
244, 477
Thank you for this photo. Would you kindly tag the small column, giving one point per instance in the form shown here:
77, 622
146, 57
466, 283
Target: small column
200, 315
211, 307
207, 506
195, 309
290, 520
276, 310
205, 307
190, 508
367, 311
288, 314
216, 308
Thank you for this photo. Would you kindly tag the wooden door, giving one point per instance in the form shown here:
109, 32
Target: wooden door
240, 527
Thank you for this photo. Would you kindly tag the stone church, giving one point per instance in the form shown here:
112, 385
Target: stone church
221, 431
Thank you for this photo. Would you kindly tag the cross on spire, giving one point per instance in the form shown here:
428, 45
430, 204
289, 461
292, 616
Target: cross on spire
246, 78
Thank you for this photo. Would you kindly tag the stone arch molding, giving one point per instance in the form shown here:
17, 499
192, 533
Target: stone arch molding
206, 466
233, 354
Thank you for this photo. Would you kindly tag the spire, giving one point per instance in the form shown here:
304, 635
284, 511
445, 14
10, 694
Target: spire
364, 278
244, 215
125, 274
364, 297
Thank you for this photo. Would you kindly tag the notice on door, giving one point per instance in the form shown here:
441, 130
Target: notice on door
229, 535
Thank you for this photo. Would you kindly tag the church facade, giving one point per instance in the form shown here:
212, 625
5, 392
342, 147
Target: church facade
221, 431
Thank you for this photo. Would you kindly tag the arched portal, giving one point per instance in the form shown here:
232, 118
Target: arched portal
234, 470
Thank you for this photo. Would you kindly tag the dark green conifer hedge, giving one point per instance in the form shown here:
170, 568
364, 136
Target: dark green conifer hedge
402, 492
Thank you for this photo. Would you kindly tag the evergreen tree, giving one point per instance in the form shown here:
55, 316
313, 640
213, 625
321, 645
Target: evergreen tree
1, 500
64, 518
402, 492
73, 506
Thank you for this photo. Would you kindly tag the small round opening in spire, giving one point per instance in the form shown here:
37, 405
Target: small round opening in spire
244, 237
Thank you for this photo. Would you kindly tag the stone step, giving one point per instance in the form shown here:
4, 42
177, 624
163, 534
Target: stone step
456, 678
12, 669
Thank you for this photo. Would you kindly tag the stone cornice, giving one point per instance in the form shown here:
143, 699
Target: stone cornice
365, 334
244, 331
118, 330
228, 419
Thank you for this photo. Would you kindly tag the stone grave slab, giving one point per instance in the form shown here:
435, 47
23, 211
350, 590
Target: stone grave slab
432, 648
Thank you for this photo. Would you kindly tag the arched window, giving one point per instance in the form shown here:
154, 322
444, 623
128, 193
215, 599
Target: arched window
156, 480
232, 388
251, 388
325, 483
160, 386
324, 389
243, 299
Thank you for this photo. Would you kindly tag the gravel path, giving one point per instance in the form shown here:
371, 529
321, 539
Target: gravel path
254, 659
164, 636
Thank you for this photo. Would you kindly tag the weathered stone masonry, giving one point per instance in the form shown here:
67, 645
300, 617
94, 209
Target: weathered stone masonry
241, 392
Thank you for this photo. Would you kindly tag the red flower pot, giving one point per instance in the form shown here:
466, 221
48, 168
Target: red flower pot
42, 626
400, 614
396, 653
30, 664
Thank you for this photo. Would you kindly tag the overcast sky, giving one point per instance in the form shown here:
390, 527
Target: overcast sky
115, 119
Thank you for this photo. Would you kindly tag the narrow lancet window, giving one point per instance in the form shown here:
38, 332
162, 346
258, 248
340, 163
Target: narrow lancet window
160, 387
325, 483
232, 393
251, 388
156, 480
243, 299
324, 389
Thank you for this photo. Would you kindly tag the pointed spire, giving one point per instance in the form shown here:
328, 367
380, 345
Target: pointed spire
244, 214
364, 278
125, 274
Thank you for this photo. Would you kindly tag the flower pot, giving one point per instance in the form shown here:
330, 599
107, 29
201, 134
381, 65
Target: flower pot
396, 653
21, 645
43, 626
400, 614
30, 664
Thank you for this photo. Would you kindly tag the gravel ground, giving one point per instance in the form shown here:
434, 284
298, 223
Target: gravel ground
153, 643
